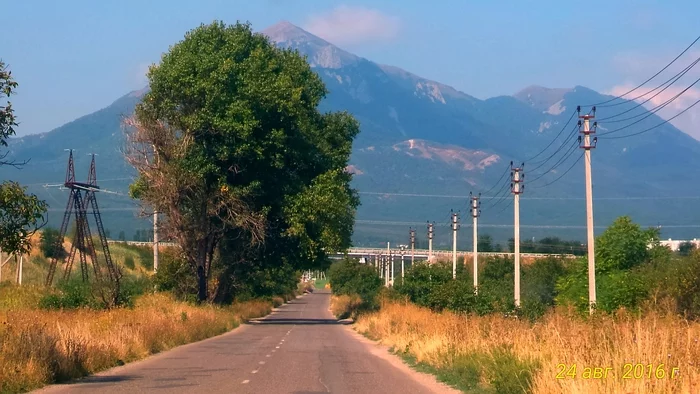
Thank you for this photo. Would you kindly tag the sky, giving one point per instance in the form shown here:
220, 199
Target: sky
74, 57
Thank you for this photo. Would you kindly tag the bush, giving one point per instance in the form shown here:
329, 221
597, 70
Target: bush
71, 294
422, 280
345, 306
129, 262
352, 278
47, 243
175, 275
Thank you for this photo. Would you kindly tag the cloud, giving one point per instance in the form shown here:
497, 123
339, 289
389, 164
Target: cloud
347, 25
637, 68
689, 122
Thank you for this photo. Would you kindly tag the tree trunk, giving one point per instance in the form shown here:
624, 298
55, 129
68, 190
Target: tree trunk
202, 282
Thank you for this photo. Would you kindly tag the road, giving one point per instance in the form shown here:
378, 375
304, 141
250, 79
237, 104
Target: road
299, 348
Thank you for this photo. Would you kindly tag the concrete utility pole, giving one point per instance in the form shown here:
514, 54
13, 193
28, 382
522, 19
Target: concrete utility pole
476, 212
516, 188
455, 227
412, 232
19, 269
430, 241
402, 262
388, 261
155, 242
587, 146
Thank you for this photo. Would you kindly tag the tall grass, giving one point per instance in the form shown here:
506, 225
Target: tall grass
38, 347
498, 354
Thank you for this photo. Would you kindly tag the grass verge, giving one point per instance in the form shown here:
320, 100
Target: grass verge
39, 347
494, 354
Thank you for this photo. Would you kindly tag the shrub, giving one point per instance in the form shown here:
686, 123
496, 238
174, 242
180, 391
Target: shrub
345, 306
623, 245
47, 243
71, 294
175, 275
129, 262
348, 277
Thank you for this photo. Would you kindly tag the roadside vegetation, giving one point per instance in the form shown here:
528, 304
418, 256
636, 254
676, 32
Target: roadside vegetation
648, 313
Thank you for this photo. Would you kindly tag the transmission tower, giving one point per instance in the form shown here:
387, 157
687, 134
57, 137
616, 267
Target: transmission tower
82, 197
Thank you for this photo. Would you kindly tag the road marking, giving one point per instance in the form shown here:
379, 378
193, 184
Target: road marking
267, 355
255, 371
245, 381
274, 350
261, 362
277, 347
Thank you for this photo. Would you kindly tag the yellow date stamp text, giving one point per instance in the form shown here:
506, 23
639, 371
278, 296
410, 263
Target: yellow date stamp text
628, 371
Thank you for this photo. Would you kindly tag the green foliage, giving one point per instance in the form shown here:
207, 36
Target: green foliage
71, 294
350, 277
422, 280
129, 262
175, 274
21, 215
485, 244
686, 248
8, 120
623, 245
244, 156
553, 245
122, 236
47, 244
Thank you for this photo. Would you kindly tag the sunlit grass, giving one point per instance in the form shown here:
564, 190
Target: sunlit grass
507, 355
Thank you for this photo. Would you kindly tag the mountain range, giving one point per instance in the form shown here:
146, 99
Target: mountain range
424, 146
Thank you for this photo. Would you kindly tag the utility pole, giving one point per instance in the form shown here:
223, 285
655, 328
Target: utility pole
155, 241
476, 212
587, 146
388, 261
412, 232
402, 263
517, 177
455, 227
430, 241
19, 269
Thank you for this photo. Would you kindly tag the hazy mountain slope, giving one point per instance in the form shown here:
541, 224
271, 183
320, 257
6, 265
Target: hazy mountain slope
421, 137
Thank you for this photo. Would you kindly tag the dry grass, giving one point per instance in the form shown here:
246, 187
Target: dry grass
344, 306
443, 341
39, 347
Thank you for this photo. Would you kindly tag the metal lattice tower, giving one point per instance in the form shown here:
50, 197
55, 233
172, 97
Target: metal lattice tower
81, 198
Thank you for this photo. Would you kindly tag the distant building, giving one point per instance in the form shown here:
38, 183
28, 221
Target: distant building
674, 244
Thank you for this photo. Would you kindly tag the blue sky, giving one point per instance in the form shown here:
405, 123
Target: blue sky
74, 57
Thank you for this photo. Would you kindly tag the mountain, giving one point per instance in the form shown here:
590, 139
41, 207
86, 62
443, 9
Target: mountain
423, 144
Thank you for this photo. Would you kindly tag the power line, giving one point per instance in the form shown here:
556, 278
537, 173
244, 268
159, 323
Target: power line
657, 93
651, 128
573, 113
566, 155
601, 104
652, 113
562, 175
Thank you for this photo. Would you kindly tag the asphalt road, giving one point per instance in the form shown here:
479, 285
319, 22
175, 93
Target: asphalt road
300, 348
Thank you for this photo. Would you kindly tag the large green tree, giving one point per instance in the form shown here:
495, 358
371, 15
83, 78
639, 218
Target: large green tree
231, 147
21, 213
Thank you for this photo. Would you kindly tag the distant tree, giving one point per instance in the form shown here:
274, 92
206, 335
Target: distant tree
623, 245
685, 248
47, 244
137, 236
511, 245
484, 243
21, 214
108, 233
122, 236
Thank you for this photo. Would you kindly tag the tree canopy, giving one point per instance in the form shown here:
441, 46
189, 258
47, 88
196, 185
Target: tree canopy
21, 213
231, 147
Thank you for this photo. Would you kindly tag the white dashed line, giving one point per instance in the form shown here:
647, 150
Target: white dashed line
274, 350
245, 381
277, 347
267, 355
255, 371
261, 362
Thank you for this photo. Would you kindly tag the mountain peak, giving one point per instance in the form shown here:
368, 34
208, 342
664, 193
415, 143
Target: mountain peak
285, 31
320, 53
545, 99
